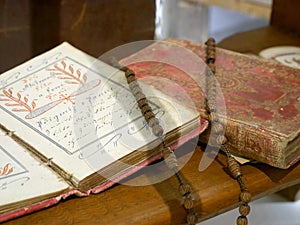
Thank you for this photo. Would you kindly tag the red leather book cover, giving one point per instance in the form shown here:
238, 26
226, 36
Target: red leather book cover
262, 97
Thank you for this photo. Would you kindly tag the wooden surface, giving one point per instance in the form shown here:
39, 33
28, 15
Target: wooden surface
216, 192
256, 40
283, 30
160, 203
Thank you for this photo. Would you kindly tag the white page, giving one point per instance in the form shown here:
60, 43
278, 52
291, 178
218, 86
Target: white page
21, 176
63, 104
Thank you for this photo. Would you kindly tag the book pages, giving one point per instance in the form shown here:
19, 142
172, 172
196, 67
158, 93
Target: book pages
78, 113
23, 177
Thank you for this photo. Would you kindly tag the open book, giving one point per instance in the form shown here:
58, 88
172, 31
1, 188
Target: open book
70, 125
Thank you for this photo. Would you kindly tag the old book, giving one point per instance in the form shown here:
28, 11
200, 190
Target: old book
262, 98
70, 125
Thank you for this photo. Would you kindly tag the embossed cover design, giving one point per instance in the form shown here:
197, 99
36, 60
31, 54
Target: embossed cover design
262, 98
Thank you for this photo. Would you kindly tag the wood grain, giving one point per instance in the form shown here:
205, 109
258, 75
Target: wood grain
256, 40
160, 203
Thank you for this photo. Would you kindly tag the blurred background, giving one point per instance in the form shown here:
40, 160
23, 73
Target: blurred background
30, 27
198, 19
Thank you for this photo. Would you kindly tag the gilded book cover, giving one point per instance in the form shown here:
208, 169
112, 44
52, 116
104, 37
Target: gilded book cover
262, 98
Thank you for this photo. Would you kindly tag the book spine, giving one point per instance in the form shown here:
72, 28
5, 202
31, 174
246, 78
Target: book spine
256, 143
253, 143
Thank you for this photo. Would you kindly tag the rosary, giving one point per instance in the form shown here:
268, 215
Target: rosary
216, 129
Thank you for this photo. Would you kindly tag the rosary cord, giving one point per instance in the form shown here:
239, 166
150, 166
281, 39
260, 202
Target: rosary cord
168, 155
217, 131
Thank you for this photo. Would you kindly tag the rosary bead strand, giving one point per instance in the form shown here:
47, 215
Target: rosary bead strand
217, 130
168, 154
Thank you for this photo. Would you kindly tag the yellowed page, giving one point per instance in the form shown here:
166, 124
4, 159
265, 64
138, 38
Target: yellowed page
22, 177
79, 112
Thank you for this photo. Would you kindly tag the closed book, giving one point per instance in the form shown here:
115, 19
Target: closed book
261, 97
